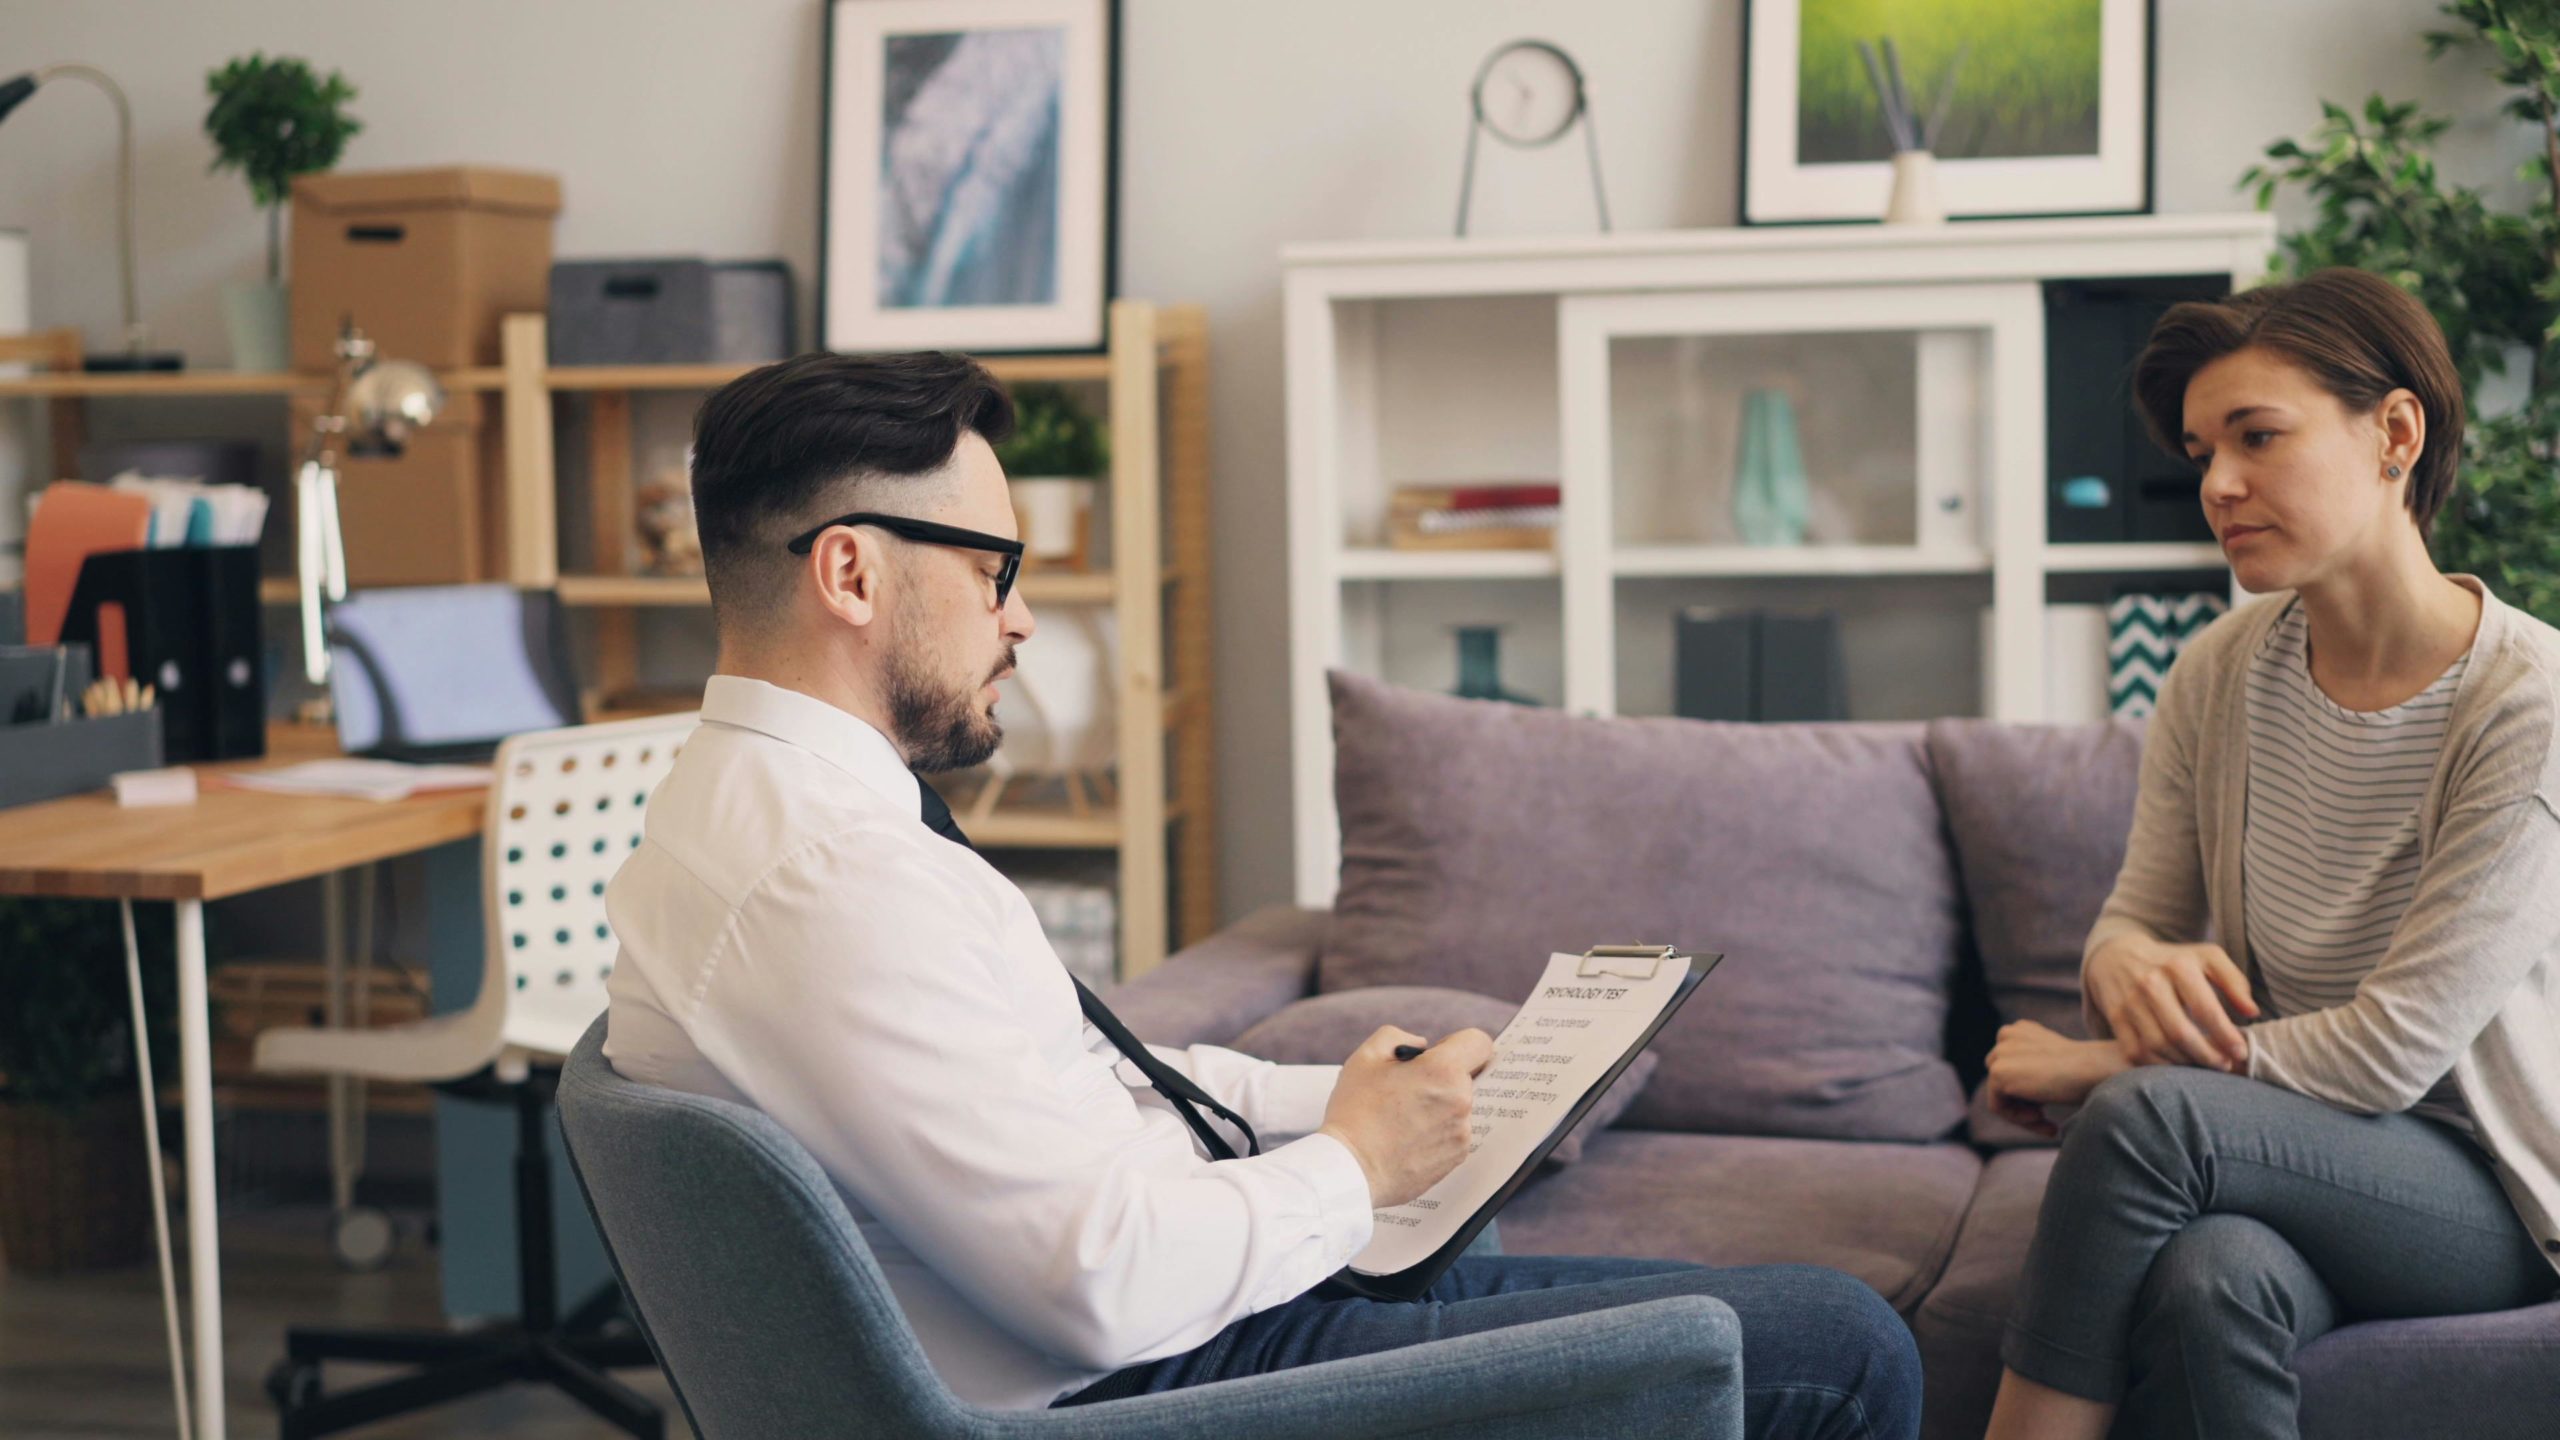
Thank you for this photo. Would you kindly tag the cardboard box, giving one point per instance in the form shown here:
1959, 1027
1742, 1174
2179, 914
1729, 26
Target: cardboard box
424, 261
432, 515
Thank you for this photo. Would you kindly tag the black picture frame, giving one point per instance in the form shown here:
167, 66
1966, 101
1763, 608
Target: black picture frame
1768, 205
1079, 322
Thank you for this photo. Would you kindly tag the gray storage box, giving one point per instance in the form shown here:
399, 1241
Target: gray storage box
750, 312
669, 312
42, 762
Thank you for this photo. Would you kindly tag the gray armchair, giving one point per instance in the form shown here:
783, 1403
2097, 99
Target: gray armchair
760, 1299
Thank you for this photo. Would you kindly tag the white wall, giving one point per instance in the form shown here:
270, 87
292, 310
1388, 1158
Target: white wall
688, 126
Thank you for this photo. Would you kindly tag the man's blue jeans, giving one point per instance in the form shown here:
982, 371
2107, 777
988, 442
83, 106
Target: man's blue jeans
1822, 1355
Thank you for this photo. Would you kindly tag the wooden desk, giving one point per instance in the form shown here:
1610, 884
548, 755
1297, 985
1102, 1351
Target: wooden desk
228, 843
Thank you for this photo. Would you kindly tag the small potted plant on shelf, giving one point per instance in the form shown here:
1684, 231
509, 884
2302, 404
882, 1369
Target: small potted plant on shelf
272, 120
74, 1181
1057, 452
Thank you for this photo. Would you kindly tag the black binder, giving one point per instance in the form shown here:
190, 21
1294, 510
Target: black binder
191, 632
1416, 1280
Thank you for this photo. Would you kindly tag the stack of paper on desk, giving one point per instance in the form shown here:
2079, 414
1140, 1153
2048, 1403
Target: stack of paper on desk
363, 779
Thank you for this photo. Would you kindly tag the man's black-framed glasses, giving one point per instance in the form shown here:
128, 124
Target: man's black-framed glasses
927, 532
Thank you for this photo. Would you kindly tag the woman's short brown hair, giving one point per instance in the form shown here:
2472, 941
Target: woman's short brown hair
2358, 335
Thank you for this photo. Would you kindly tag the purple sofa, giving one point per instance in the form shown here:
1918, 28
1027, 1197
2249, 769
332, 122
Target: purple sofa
1885, 897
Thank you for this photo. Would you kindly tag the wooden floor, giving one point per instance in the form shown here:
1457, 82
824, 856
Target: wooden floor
87, 1356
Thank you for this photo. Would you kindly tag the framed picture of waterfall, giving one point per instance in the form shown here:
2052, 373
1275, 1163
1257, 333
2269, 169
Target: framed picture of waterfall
967, 166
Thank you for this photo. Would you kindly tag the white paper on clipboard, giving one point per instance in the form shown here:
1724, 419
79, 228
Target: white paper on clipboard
1584, 1014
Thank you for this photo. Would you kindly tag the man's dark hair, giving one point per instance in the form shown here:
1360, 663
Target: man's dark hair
776, 447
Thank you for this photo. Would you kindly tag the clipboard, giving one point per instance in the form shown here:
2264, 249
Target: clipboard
1639, 962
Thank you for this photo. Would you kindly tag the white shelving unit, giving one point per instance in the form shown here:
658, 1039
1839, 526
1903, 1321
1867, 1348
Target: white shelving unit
1616, 366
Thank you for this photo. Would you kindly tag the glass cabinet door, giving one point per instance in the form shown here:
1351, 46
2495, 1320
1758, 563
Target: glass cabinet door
1726, 448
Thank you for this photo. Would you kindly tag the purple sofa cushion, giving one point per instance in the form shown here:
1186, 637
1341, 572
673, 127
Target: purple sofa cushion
1209, 992
2039, 816
1479, 838
1322, 1030
1958, 1326
2454, 1377
1883, 1213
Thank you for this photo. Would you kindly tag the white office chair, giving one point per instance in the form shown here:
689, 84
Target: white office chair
564, 812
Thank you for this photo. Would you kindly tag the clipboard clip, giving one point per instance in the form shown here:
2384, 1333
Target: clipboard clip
1633, 962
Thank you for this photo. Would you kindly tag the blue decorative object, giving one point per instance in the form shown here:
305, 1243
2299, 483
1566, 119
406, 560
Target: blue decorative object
2087, 492
1480, 666
1771, 496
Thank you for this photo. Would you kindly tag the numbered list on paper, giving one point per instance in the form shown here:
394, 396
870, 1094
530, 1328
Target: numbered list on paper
1573, 1028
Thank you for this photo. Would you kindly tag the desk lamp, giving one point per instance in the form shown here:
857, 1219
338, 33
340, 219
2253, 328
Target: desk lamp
133, 356
372, 407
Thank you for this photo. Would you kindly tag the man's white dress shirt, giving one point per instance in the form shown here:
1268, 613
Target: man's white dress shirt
794, 937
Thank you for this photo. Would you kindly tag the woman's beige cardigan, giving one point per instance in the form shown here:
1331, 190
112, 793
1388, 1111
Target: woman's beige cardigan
2471, 982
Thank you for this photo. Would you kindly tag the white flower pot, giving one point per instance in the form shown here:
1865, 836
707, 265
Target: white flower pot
254, 310
1915, 190
1051, 510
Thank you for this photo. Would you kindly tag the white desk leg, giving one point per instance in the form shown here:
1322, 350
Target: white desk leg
159, 1171
333, 924
204, 1259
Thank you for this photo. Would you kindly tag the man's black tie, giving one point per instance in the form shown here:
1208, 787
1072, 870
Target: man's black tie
1176, 1087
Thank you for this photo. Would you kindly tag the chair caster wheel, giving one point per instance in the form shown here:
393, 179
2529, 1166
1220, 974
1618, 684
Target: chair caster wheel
293, 1385
363, 1236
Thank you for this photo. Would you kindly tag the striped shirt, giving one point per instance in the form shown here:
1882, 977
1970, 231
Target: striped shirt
2329, 842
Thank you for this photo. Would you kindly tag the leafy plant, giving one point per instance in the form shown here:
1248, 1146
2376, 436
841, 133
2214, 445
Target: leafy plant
272, 120
66, 1020
1053, 434
2490, 277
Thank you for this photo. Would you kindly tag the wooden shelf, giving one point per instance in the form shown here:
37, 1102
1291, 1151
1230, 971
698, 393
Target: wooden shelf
2098, 559
633, 590
85, 386
1027, 828
1040, 587
82, 385
641, 377
1068, 587
74, 385
1773, 561
1377, 564
1010, 369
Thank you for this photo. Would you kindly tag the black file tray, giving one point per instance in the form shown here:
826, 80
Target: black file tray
1416, 1280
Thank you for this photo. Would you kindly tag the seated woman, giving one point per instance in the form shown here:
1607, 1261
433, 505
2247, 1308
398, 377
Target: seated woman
2353, 785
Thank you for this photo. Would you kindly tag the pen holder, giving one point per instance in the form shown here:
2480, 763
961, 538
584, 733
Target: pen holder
185, 622
39, 761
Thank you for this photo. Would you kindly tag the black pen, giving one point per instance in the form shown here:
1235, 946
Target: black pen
1407, 1052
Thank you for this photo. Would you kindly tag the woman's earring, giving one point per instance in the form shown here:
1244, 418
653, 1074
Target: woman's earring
2392, 470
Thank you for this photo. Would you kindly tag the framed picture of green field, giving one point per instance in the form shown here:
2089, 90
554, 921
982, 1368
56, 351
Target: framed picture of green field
2034, 107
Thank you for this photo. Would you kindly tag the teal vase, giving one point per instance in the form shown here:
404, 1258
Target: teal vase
1771, 496
1480, 666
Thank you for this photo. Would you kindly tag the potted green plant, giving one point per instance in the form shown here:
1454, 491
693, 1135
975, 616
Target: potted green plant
74, 1179
2491, 277
272, 120
1057, 452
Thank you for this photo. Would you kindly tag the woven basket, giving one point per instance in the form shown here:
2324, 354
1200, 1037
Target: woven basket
74, 1193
